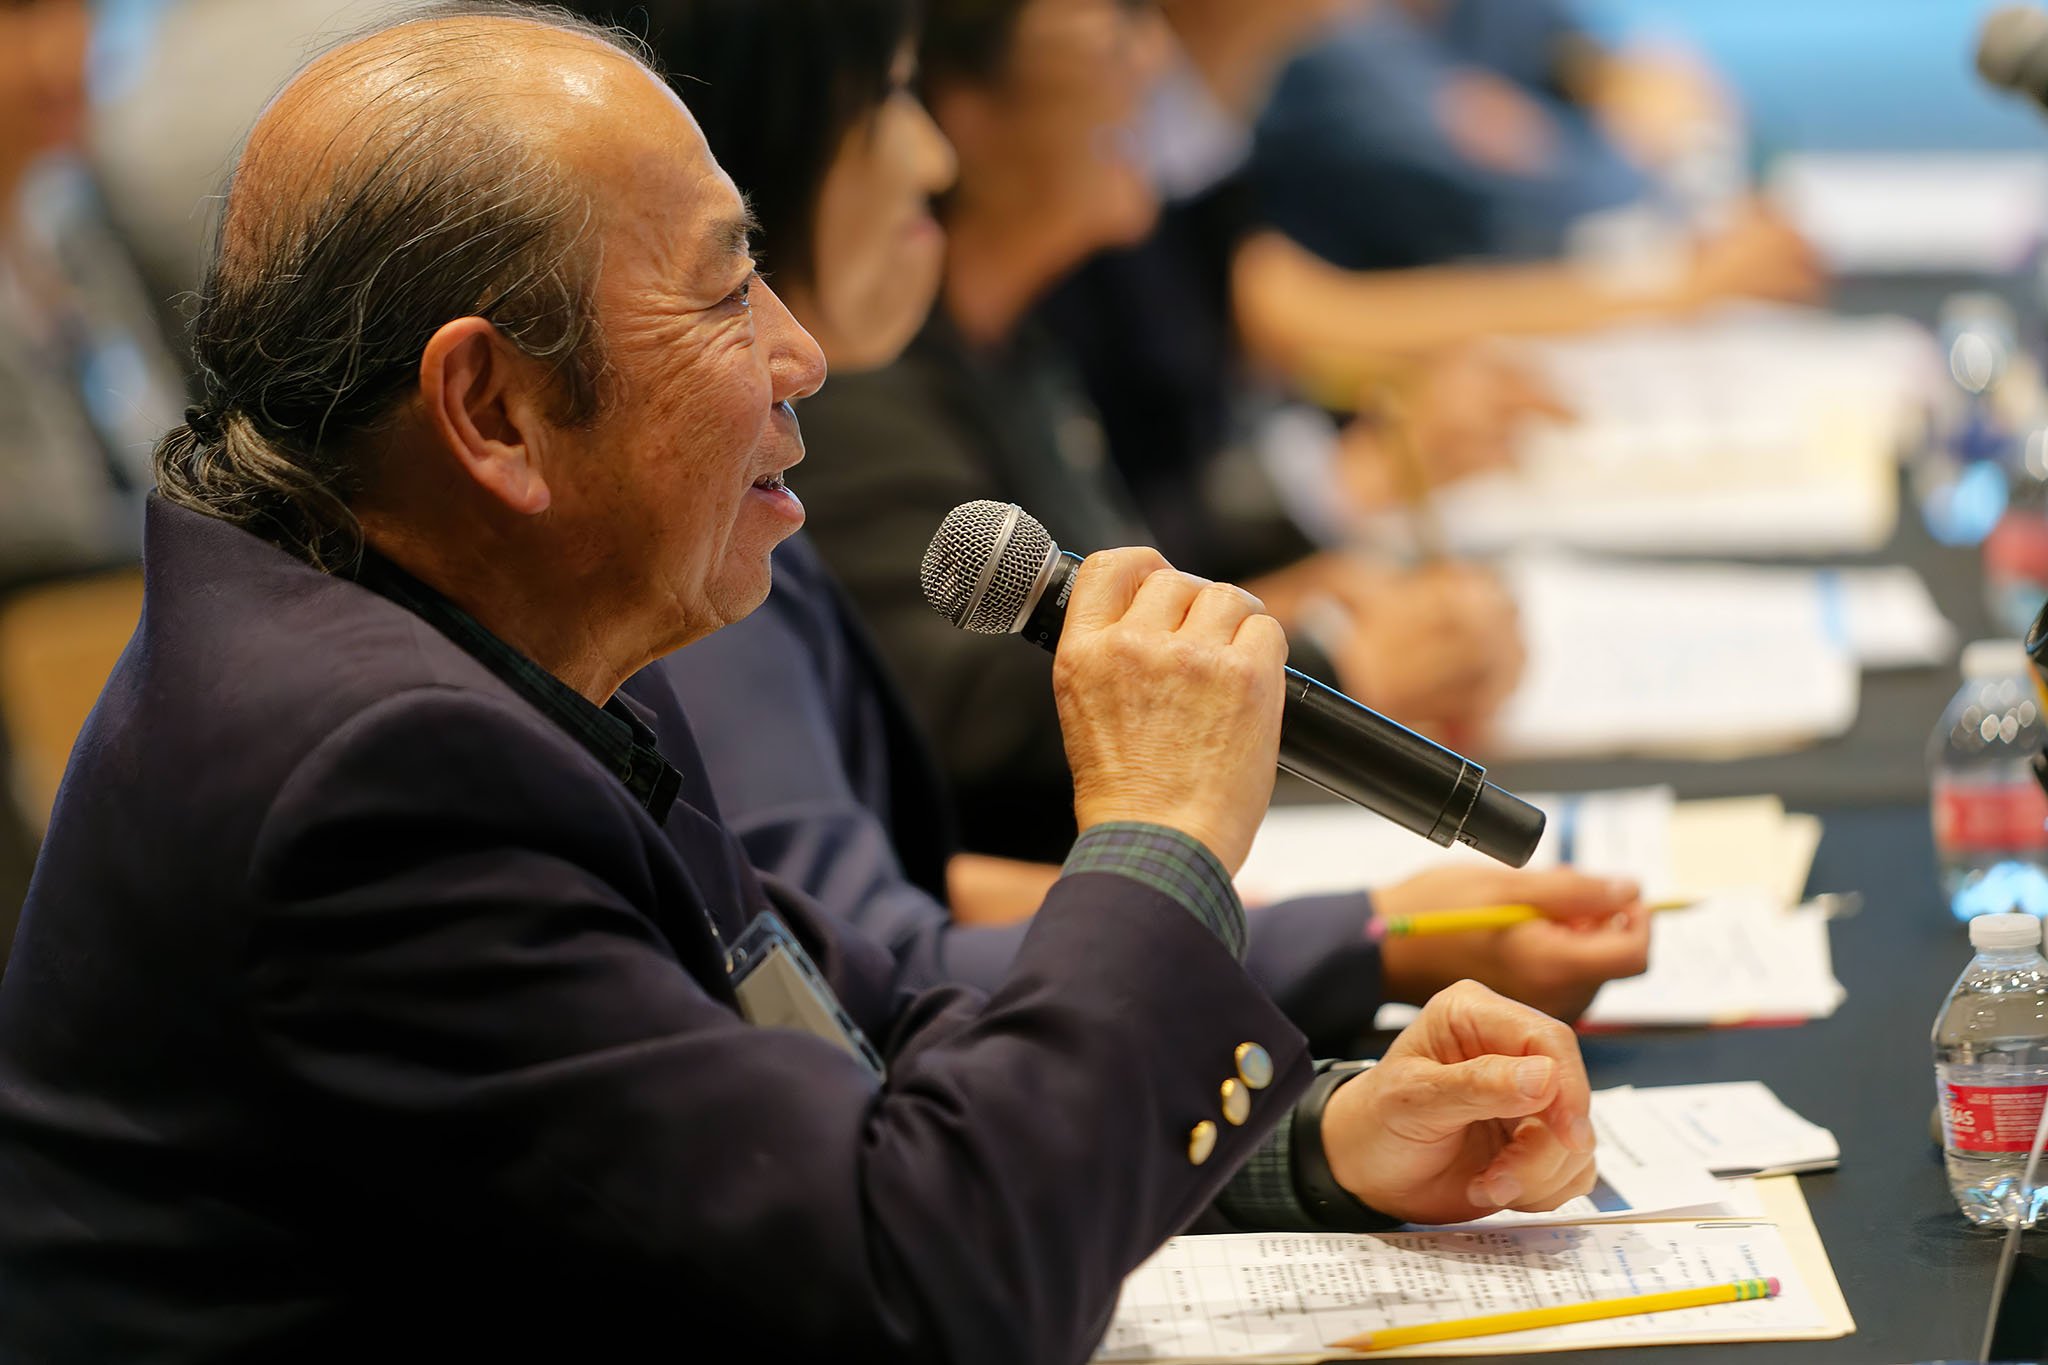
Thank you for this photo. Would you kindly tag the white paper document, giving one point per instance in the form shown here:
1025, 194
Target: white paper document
1916, 212
1644, 1171
1886, 615
1671, 848
1309, 850
1742, 843
1735, 1128
1288, 1296
1674, 659
1732, 959
1758, 431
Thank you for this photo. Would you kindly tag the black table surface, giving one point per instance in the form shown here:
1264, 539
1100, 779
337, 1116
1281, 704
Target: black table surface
1916, 1277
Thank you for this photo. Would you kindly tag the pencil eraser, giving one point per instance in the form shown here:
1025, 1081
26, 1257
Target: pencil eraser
1771, 1287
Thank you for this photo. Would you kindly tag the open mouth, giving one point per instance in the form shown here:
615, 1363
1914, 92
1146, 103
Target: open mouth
771, 483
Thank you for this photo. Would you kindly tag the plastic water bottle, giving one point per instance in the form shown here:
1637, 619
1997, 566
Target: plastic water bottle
1991, 1068
1990, 815
1960, 478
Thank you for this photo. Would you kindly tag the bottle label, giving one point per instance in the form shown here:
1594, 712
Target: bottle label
2005, 816
1991, 1118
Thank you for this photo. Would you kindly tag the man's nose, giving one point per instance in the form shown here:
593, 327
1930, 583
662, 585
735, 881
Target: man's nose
796, 365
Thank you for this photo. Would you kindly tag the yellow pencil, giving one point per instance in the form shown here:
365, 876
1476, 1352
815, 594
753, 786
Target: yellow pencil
1493, 1324
1483, 917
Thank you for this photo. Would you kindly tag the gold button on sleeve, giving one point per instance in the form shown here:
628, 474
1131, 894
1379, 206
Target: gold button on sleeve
1201, 1142
1254, 1066
1237, 1102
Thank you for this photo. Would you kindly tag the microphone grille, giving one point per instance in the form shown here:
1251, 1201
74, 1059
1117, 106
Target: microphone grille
981, 566
2011, 42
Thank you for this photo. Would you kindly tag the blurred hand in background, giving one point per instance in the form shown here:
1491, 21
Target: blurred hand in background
1437, 647
1757, 256
1469, 408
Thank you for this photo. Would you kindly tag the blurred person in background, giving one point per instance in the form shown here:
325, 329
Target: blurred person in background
85, 384
841, 797
1426, 166
1170, 335
1458, 115
167, 120
1651, 105
1197, 427
1042, 100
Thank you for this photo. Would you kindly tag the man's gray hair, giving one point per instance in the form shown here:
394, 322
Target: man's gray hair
317, 304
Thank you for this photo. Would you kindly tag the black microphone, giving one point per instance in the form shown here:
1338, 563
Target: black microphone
2012, 51
992, 569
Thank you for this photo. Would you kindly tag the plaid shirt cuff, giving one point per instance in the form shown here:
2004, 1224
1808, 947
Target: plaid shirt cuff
1267, 1193
1261, 1197
1172, 864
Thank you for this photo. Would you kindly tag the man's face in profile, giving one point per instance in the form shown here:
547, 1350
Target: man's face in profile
674, 494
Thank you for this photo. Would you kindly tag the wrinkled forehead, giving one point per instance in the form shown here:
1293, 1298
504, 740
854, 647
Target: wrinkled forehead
667, 212
609, 124
623, 137
605, 125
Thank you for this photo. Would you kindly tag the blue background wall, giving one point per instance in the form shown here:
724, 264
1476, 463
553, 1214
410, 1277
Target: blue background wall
1845, 74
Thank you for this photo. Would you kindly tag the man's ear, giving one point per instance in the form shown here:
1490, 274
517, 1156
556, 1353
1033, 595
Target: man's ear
479, 397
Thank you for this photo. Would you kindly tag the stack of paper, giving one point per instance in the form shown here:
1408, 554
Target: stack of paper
1716, 661
1307, 850
1732, 959
1979, 213
1732, 1128
1886, 615
1738, 843
1673, 848
1745, 954
1271, 1297
1757, 432
1740, 956
1693, 1151
1647, 1169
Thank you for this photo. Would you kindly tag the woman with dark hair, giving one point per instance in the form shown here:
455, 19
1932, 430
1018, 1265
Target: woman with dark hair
840, 795
810, 108
1043, 99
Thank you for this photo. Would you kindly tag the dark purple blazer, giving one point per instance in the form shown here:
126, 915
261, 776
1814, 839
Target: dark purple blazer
359, 1013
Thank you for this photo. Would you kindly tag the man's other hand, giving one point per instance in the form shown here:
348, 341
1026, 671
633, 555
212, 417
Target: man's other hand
1594, 930
1169, 690
1481, 1104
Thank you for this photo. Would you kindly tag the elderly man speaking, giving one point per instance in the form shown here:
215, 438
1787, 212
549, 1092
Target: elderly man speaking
376, 995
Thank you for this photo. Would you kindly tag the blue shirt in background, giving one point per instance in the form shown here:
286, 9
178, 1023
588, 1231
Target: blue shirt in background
1352, 158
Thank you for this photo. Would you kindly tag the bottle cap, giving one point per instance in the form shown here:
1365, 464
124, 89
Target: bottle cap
1994, 659
2005, 931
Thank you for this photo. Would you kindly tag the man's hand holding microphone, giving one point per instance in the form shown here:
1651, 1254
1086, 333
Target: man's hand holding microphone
1170, 695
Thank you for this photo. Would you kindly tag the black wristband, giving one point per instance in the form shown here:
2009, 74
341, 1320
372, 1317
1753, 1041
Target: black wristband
1333, 1207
